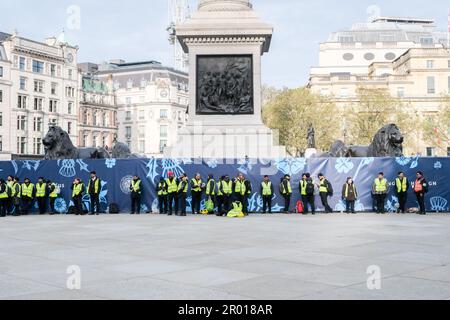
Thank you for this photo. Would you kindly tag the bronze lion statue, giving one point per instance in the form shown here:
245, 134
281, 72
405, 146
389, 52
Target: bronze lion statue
58, 146
388, 142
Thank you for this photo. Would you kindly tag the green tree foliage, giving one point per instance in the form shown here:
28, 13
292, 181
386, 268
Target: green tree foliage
292, 110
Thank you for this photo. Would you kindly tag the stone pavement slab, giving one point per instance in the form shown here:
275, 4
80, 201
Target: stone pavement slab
206, 257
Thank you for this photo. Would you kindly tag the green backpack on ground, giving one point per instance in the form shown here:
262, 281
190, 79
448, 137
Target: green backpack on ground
209, 205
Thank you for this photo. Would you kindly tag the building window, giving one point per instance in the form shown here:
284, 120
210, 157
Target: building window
22, 63
130, 84
94, 118
128, 100
54, 88
1, 143
37, 145
344, 93
128, 133
448, 64
85, 117
141, 131
141, 146
23, 83
163, 114
400, 92
69, 127
448, 84
426, 41
53, 106
163, 131
1, 119
21, 123
84, 142
104, 124
38, 86
38, 66
142, 115
53, 70
430, 152
21, 145
448, 152
1, 96
1, 72
162, 145
70, 73
38, 103
70, 107
128, 116
37, 124
21, 102
431, 85
70, 92
430, 64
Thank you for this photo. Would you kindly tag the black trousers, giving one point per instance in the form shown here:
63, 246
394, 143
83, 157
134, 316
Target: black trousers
182, 203
172, 201
10, 206
135, 204
78, 204
380, 199
95, 203
26, 205
324, 198
402, 199
421, 201
223, 204
196, 201
162, 204
245, 203
42, 204
309, 201
219, 200
350, 205
52, 205
267, 203
287, 202
4, 207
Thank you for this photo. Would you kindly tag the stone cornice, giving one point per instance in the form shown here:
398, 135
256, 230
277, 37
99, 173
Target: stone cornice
224, 39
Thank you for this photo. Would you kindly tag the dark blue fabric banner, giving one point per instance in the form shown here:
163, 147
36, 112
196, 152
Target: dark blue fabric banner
116, 176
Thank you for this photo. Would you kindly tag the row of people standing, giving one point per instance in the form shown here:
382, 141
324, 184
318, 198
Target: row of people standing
173, 192
17, 198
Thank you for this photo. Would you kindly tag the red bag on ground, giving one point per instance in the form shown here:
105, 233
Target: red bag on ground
299, 207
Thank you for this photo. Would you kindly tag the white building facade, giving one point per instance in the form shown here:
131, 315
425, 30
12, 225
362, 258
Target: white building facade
40, 89
406, 57
97, 120
152, 104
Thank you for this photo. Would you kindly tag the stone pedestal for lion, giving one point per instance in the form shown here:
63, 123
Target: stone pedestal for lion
225, 40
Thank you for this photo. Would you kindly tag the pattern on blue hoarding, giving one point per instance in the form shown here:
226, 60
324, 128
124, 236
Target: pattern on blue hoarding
291, 166
439, 204
344, 165
117, 174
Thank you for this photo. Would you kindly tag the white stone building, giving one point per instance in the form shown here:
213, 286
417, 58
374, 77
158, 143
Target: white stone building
407, 57
382, 40
40, 88
152, 102
97, 113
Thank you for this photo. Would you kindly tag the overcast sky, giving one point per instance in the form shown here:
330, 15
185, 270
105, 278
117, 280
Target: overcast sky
135, 29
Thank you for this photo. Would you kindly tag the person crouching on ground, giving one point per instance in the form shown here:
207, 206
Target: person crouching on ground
350, 195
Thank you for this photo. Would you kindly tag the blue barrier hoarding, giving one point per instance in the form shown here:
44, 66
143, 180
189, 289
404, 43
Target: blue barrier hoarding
116, 176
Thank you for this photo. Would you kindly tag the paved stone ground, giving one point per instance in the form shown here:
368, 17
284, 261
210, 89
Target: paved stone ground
260, 257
